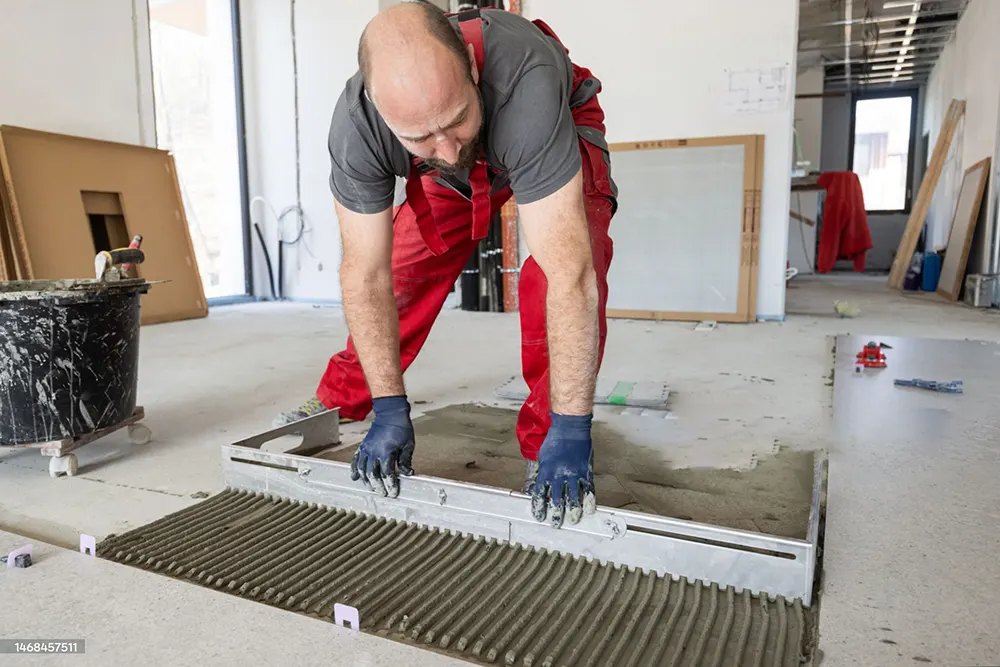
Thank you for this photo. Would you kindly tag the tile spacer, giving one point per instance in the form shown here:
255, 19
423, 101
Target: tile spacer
26, 549
346, 617
88, 545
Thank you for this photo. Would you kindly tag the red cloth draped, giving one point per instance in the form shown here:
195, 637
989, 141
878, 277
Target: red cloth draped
845, 233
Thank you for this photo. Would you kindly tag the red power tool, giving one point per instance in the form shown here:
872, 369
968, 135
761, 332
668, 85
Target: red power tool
871, 356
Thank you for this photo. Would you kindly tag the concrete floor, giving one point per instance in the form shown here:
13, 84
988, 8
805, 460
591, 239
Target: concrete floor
912, 528
126, 616
738, 392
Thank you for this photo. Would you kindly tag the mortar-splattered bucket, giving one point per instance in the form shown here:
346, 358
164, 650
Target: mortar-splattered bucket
69, 356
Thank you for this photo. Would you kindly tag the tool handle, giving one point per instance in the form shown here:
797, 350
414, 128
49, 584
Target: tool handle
126, 256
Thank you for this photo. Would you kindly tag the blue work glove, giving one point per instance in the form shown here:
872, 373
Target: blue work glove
387, 446
564, 485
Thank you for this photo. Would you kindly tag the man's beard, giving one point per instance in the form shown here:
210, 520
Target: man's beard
470, 151
466, 159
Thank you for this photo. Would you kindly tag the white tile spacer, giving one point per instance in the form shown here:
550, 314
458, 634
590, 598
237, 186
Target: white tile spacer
26, 549
346, 617
88, 545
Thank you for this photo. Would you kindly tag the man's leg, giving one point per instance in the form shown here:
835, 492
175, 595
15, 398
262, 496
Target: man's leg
533, 419
421, 282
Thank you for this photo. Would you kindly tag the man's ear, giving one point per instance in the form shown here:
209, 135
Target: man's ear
472, 63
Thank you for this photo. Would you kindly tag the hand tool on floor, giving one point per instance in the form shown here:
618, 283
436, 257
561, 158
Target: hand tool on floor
953, 387
871, 356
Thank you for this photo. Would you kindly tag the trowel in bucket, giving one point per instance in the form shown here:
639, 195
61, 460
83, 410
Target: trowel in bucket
113, 265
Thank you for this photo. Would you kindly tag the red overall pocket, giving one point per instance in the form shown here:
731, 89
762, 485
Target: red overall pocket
596, 165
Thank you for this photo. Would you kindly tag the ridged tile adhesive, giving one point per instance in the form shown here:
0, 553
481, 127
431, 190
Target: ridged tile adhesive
471, 597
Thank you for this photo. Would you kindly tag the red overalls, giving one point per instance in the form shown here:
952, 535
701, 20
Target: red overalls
436, 230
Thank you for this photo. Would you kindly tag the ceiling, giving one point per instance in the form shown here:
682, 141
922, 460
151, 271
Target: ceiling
869, 44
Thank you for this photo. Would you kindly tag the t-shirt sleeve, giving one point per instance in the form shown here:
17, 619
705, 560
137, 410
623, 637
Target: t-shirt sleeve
359, 179
536, 136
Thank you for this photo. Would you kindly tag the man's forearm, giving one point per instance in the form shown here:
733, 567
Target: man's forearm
370, 309
573, 338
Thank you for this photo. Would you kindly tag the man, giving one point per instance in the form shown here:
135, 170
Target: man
470, 109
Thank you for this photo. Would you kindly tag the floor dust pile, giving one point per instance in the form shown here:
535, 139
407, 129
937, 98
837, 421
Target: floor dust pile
470, 597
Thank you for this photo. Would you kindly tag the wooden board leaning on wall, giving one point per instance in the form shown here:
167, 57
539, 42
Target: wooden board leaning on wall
918, 215
963, 228
68, 196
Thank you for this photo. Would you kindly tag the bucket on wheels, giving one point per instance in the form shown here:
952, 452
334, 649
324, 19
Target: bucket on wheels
69, 356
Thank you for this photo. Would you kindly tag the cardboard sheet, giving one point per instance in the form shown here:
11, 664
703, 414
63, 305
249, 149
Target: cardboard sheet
69, 195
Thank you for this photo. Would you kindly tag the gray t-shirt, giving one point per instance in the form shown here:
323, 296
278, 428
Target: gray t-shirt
529, 134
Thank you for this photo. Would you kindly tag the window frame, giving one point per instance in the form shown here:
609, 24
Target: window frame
914, 94
239, 102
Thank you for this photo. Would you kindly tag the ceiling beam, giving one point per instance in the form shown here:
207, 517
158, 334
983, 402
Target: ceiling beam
894, 40
813, 96
931, 57
920, 41
880, 19
896, 51
908, 38
869, 81
882, 69
920, 26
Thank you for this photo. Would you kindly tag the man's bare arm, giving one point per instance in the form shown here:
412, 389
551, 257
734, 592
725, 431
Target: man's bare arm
558, 237
369, 303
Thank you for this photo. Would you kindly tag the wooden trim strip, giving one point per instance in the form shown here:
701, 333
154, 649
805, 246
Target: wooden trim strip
758, 205
801, 218
915, 224
698, 142
15, 226
675, 315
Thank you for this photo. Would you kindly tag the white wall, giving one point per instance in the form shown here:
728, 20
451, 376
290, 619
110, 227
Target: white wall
78, 68
809, 126
663, 67
326, 38
966, 70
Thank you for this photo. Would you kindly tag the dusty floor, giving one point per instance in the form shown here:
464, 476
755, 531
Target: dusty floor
739, 394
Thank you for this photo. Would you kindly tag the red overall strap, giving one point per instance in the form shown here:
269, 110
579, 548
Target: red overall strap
471, 25
425, 219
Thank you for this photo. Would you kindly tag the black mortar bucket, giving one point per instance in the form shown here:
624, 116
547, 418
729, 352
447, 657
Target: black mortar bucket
69, 357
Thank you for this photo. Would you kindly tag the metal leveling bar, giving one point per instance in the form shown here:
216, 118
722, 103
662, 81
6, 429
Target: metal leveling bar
762, 564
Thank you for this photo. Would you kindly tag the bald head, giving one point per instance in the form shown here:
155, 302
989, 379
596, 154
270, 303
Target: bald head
422, 79
408, 24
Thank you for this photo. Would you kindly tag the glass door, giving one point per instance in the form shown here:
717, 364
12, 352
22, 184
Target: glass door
194, 79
